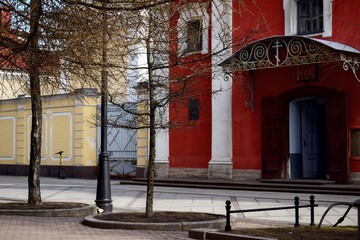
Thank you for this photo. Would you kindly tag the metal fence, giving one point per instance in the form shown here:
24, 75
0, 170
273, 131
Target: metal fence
121, 141
296, 207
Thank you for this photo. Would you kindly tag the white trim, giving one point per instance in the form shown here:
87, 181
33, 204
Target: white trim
162, 138
45, 145
221, 161
9, 74
52, 154
12, 157
327, 15
193, 11
290, 15
290, 18
221, 102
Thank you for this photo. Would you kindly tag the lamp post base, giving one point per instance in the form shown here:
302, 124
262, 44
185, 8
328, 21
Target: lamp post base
103, 193
105, 205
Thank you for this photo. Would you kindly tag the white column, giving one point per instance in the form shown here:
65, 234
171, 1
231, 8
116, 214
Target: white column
220, 165
162, 135
162, 149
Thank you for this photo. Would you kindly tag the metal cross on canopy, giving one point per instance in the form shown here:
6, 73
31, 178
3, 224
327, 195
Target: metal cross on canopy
277, 45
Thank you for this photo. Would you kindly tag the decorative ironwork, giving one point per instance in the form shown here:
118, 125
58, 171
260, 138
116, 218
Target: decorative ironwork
283, 51
247, 84
228, 76
279, 52
352, 63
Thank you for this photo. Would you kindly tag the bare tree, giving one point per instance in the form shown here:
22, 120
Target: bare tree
24, 49
165, 35
159, 32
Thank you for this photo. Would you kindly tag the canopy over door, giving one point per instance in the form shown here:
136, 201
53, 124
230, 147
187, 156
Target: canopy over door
285, 51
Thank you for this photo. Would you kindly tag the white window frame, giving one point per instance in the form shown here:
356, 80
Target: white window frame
290, 18
191, 12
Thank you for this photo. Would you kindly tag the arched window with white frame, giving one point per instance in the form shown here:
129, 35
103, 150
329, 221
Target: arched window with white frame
193, 27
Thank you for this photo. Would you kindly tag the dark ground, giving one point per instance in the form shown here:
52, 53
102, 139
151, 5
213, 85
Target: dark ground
303, 233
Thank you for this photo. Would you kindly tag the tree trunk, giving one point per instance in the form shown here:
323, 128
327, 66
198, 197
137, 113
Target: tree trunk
34, 197
151, 166
152, 131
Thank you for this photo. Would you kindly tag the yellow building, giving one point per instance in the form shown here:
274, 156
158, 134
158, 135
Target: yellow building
68, 118
68, 126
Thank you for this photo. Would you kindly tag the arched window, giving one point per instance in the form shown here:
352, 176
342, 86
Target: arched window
193, 27
194, 36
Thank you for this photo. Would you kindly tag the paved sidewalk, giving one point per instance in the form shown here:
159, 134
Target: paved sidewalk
130, 197
69, 228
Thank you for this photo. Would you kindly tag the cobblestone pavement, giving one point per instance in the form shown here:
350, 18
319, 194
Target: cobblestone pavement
69, 228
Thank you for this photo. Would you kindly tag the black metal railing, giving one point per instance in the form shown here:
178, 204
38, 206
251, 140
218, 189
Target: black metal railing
296, 206
341, 219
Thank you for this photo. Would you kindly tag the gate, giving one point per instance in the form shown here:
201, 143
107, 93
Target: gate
121, 142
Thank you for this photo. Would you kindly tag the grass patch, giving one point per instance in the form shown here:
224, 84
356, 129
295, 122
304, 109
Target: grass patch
302, 233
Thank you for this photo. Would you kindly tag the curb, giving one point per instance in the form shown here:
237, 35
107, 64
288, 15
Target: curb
67, 212
215, 234
175, 226
276, 186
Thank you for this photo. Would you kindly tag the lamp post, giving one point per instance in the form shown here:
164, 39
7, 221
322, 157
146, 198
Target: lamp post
103, 191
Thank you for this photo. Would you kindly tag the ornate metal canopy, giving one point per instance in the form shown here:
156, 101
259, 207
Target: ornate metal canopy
282, 51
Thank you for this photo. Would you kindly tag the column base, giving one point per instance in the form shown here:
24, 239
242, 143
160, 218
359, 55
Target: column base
161, 169
246, 174
200, 173
141, 172
354, 178
220, 170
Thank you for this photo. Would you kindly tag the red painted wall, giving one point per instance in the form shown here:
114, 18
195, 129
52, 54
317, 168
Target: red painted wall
252, 20
346, 22
190, 141
9, 60
272, 82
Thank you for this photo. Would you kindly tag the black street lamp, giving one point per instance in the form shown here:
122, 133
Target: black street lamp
103, 191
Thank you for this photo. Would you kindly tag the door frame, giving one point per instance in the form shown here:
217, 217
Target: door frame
299, 136
284, 99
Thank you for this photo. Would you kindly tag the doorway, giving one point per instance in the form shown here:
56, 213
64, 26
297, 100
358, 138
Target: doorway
307, 138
